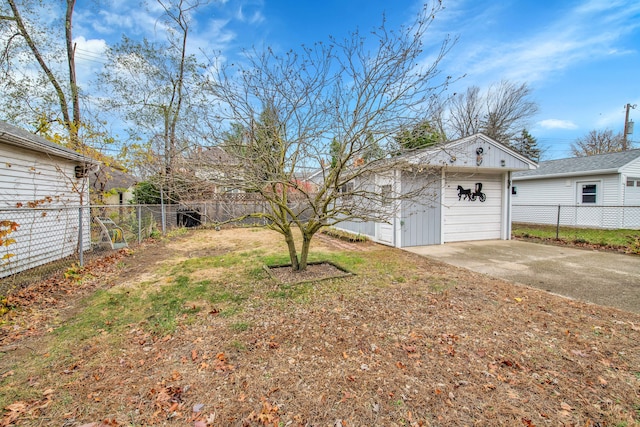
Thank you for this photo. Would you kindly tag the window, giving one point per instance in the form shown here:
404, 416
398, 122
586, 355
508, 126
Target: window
347, 188
346, 193
385, 190
589, 192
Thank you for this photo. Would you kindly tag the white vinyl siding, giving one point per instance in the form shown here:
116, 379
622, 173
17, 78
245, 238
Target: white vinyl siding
50, 230
537, 201
632, 168
472, 220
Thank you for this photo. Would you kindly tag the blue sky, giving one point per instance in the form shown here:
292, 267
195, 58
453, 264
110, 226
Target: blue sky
580, 58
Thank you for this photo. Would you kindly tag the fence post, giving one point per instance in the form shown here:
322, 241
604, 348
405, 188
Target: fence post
162, 212
139, 224
558, 224
80, 238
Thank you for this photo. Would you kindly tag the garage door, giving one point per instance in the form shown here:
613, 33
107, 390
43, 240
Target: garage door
468, 217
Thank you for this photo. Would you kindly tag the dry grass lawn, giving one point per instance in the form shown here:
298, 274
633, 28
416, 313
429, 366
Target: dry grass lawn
192, 331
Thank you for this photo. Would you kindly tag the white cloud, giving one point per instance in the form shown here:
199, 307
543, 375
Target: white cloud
557, 124
586, 33
251, 17
89, 58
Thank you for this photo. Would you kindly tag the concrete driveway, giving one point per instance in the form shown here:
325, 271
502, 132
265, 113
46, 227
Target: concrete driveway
602, 278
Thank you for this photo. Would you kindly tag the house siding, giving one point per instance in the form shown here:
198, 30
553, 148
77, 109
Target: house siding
632, 169
363, 228
464, 155
41, 194
537, 200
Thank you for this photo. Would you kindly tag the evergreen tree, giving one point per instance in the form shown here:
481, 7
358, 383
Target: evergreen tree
422, 135
527, 145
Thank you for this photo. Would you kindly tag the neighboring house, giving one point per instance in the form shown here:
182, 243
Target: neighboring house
469, 195
112, 186
596, 191
215, 164
42, 187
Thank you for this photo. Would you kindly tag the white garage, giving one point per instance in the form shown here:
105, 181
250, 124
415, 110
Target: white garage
470, 181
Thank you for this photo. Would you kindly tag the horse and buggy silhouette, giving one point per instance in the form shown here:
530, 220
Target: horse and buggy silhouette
467, 194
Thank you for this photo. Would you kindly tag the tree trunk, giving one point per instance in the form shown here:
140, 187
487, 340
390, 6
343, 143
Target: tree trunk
64, 107
304, 254
74, 126
293, 255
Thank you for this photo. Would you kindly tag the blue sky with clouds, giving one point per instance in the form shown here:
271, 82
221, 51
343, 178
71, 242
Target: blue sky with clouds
581, 58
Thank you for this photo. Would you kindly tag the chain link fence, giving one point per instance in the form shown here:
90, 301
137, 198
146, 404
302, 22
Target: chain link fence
605, 217
37, 242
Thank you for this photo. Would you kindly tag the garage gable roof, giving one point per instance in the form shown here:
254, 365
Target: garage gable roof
463, 153
587, 165
22, 138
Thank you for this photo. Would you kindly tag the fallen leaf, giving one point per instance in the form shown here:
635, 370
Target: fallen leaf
566, 406
16, 407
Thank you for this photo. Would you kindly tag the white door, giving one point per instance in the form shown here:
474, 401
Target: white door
472, 207
384, 230
588, 211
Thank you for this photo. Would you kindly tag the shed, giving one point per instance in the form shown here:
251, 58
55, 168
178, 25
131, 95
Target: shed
43, 189
599, 191
469, 187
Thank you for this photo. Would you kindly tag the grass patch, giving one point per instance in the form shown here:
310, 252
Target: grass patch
344, 235
159, 307
619, 238
297, 292
441, 286
240, 326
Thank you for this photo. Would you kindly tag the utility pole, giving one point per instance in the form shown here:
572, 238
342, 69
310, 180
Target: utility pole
628, 126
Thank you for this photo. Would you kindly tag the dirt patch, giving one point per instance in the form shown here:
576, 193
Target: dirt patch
407, 341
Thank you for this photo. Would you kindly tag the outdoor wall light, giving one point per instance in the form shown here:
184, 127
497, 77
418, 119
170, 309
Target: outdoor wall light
503, 163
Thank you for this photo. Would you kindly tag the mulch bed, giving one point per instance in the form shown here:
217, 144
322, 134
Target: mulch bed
314, 272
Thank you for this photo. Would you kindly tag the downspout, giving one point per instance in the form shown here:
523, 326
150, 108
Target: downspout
397, 240
443, 182
508, 206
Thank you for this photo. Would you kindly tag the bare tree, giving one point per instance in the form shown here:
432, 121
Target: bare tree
501, 113
357, 93
466, 112
152, 87
65, 88
597, 142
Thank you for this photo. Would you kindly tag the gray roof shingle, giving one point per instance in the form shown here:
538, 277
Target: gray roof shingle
17, 136
580, 165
